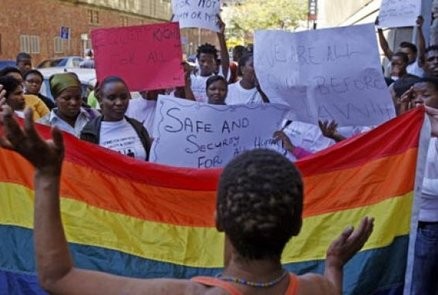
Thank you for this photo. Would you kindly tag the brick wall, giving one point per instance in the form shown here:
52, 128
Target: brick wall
43, 19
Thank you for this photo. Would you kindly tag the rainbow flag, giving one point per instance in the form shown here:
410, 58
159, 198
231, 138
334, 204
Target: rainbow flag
145, 220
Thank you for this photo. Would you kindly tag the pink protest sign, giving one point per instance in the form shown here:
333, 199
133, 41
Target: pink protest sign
147, 57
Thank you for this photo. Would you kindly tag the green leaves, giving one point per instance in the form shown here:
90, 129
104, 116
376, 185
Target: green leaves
254, 15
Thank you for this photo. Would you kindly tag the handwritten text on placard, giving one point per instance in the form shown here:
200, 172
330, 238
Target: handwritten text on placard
192, 134
325, 74
146, 57
196, 13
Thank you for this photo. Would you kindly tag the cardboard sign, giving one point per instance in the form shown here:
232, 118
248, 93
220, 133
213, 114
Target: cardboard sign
196, 13
325, 74
200, 135
399, 13
147, 57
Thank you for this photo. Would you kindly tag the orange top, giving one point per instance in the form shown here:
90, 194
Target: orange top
215, 282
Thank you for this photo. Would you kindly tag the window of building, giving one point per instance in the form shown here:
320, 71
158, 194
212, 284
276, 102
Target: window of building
30, 43
58, 45
93, 16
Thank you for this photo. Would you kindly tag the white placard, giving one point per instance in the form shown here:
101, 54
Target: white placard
399, 13
200, 135
196, 13
325, 74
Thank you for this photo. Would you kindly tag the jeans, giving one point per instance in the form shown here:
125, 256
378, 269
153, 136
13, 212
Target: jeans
425, 274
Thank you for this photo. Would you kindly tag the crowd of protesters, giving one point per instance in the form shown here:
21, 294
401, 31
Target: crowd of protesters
412, 81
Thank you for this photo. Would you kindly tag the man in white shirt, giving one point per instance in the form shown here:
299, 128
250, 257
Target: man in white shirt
415, 54
424, 279
207, 57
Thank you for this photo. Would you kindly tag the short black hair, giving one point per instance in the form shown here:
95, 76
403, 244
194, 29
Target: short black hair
429, 80
8, 70
260, 203
404, 83
243, 60
21, 56
239, 50
403, 56
215, 78
35, 72
431, 48
107, 80
410, 46
207, 49
9, 84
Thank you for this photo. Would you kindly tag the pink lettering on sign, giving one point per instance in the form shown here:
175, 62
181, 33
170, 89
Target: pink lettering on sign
147, 57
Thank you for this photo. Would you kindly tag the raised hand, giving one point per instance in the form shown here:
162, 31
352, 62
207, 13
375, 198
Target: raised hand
407, 99
349, 243
220, 24
45, 155
287, 144
330, 129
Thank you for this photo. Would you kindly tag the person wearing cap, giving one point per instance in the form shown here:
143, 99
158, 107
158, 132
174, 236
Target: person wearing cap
68, 115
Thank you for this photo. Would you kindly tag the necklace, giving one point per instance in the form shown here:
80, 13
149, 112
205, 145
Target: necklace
252, 284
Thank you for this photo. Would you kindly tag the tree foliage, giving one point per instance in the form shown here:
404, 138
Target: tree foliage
252, 15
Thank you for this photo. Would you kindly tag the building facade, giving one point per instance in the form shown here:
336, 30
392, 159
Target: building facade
51, 28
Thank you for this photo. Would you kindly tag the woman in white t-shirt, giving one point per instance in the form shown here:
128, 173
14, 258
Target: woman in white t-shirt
113, 130
216, 90
247, 90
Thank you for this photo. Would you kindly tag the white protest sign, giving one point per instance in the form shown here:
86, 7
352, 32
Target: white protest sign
399, 13
196, 13
200, 135
325, 74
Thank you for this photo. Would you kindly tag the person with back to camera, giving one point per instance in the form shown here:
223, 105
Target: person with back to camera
259, 207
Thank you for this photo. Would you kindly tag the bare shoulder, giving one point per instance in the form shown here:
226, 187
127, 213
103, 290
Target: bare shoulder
166, 286
183, 287
84, 282
314, 284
